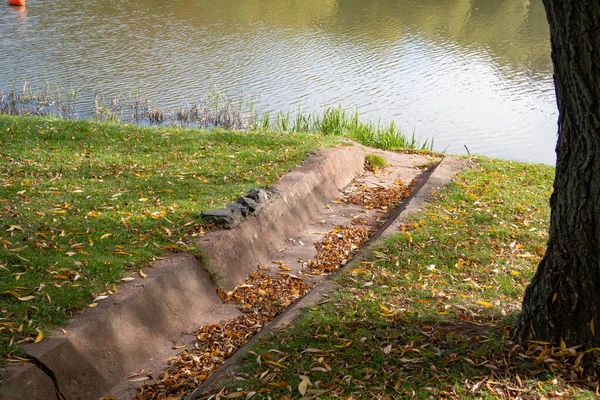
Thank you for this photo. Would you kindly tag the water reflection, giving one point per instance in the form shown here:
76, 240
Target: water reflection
468, 72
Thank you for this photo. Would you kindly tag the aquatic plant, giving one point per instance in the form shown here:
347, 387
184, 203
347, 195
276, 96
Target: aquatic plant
43, 102
214, 110
335, 121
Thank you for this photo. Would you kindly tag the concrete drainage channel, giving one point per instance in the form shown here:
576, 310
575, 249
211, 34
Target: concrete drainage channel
152, 319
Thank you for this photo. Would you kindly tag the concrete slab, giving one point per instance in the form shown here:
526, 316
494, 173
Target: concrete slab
443, 174
113, 340
232, 255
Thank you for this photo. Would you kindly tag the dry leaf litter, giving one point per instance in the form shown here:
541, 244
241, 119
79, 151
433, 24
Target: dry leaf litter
262, 297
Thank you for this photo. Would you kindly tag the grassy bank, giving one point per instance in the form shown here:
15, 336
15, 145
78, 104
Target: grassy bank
428, 313
215, 110
82, 204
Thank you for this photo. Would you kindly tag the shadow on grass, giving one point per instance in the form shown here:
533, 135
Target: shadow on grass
409, 356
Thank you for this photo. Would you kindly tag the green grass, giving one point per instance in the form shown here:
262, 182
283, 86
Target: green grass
426, 314
339, 122
375, 161
83, 203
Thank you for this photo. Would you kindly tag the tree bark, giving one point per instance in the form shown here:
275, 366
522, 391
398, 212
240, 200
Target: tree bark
563, 300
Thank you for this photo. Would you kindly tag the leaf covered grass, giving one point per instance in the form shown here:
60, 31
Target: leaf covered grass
429, 312
84, 204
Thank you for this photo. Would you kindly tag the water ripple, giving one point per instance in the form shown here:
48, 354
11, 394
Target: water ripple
480, 78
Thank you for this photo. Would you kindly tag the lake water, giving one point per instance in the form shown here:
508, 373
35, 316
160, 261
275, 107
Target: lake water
469, 73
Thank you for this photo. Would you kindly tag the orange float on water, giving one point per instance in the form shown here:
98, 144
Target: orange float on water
17, 2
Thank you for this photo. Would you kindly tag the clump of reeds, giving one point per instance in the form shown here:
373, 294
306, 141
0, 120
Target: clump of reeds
213, 110
49, 100
338, 122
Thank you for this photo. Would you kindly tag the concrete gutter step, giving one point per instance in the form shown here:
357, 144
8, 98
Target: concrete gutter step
232, 255
103, 344
138, 328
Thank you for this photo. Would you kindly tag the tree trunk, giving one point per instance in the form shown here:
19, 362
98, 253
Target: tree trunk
563, 300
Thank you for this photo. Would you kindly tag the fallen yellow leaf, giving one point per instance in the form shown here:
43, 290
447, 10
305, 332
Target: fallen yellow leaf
303, 384
40, 335
276, 364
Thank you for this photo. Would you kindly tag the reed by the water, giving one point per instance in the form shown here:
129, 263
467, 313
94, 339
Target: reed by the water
215, 110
